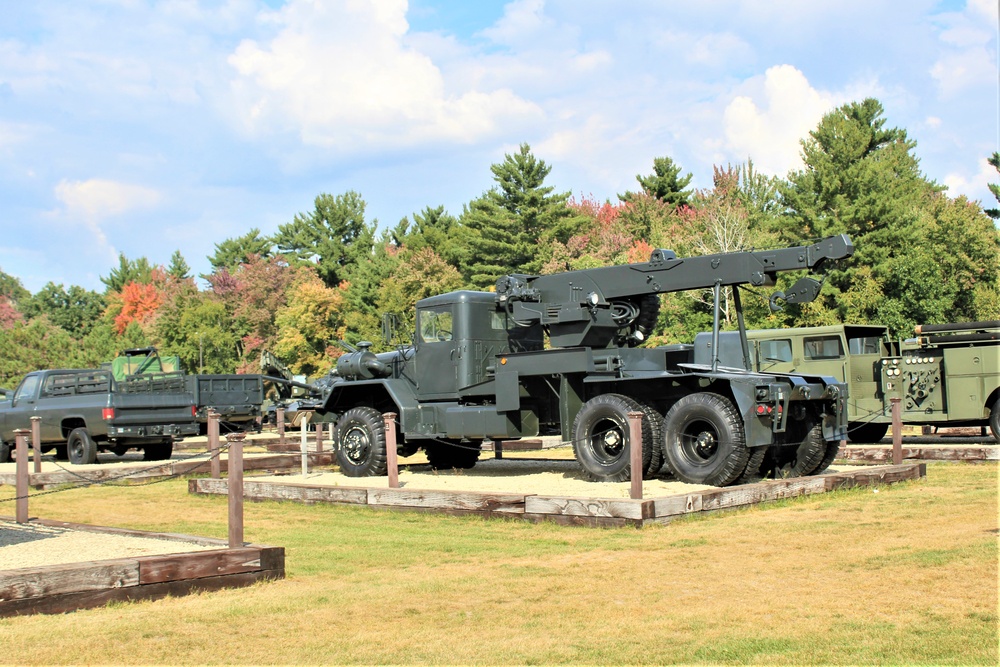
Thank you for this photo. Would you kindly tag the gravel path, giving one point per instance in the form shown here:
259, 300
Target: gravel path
35, 545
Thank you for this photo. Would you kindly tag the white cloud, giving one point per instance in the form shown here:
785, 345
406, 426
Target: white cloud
92, 201
767, 124
974, 186
341, 76
967, 59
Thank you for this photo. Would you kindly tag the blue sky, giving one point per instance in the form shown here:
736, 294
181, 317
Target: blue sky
145, 127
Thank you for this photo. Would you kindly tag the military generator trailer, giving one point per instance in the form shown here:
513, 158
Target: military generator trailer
478, 368
946, 375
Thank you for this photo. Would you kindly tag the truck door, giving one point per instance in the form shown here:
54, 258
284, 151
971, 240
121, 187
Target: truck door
435, 357
23, 405
864, 374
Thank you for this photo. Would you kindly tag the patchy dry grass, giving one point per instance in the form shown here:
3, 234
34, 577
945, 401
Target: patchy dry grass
906, 575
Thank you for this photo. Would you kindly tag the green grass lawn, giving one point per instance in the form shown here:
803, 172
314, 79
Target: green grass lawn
907, 574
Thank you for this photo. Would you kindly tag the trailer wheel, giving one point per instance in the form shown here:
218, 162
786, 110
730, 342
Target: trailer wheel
361, 443
159, 451
995, 420
448, 454
798, 460
81, 447
704, 440
655, 454
752, 472
866, 432
5, 456
600, 438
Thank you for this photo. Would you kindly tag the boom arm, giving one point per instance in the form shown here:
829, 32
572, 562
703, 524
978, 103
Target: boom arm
590, 307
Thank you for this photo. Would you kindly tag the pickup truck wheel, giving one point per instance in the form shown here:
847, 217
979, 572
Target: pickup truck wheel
600, 438
448, 454
866, 432
995, 420
5, 456
81, 447
158, 451
704, 440
361, 443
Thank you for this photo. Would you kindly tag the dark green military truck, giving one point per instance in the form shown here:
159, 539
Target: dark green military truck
946, 375
86, 411
559, 355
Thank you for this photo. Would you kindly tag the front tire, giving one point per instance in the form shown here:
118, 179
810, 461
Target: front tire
5, 456
361, 443
81, 447
704, 440
995, 420
601, 438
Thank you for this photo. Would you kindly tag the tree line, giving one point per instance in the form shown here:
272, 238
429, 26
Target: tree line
328, 274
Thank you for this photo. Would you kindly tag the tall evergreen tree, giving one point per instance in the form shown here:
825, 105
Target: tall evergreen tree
665, 184
232, 252
994, 213
128, 271
510, 223
334, 236
178, 269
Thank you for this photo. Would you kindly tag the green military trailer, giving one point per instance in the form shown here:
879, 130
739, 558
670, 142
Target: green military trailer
946, 375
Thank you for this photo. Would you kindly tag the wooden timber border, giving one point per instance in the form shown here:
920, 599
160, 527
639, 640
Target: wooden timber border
882, 454
112, 472
595, 512
57, 589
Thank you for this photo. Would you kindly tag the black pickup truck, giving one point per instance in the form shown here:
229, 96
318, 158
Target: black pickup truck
86, 411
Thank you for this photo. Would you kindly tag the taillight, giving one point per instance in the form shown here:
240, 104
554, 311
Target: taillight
107, 414
194, 410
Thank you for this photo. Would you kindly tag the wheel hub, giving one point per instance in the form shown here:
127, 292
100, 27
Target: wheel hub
355, 444
705, 444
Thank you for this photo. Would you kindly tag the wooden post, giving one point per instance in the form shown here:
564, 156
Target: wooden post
21, 474
498, 449
304, 442
897, 431
635, 453
36, 442
391, 460
213, 443
279, 420
235, 468
319, 437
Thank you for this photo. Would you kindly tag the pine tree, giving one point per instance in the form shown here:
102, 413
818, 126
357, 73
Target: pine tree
178, 269
665, 184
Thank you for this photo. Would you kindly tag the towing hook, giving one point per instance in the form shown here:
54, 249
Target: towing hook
773, 302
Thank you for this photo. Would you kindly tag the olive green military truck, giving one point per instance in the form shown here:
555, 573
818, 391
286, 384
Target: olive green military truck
946, 375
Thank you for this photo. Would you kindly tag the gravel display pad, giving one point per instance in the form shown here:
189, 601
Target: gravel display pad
541, 477
36, 545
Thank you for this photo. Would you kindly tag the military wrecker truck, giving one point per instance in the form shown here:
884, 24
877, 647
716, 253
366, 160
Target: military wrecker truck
946, 375
478, 368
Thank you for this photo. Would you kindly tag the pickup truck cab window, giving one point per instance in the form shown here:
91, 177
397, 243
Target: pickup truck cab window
435, 324
27, 389
823, 347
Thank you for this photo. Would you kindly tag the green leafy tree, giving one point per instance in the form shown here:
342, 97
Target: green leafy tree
11, 288
665, 184
309, 324
34, 345
232, 252
510, 224
76, 310
334, 236
421, 274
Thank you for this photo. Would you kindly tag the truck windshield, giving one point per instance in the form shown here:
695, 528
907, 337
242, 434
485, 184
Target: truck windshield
866, 345
28, 388
823, 347
776, 350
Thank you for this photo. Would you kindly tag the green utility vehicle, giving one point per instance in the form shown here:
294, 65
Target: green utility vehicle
946, 375
85, 411
558, 355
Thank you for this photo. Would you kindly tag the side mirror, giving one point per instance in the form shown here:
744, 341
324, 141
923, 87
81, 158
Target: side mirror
390, 325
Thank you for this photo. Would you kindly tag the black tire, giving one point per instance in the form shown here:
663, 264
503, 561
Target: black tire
5, 450
361, 443
995, 420
61, 453
797, 460
119, 450
704, 440
832, 449
449, 454
866, 432
752, 472
655, 455
80, 447
158, 451
601, 438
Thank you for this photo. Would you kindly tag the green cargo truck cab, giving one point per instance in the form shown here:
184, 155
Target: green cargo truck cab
947, 375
